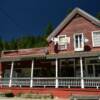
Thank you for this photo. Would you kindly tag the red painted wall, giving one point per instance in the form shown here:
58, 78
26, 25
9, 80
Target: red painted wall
78, 24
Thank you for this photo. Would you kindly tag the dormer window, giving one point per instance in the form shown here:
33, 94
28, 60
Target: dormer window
62, 42
78, 42
96, 38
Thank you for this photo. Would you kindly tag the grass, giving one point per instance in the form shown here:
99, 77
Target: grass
17, 98
35, 96
25, 96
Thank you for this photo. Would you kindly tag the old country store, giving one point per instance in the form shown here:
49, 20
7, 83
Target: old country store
71, 59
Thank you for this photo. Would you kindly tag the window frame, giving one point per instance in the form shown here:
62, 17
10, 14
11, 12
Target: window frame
60, 44
93, 44
78, 49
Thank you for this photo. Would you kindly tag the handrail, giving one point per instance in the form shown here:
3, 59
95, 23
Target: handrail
95, 78
50, 81
44, 78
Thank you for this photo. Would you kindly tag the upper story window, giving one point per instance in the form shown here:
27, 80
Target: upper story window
96, 38
62, 42
78, 42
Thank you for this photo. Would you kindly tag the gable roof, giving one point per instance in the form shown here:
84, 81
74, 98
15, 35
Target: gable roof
69, 17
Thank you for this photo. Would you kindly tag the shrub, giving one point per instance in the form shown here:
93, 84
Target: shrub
9, 94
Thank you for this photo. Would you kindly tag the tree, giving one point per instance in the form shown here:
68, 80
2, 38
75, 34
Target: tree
13, 44
69, 10
98, 15
47, 31
49, 28
27, 41
1, 44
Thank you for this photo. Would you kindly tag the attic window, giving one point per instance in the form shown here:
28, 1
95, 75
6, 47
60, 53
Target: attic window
96, 38
62, 42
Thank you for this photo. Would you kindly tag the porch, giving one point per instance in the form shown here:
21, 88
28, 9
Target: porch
76, 72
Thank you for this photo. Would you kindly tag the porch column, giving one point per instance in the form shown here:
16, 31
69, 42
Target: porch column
81, 69
11, 73
32, 68
56, 62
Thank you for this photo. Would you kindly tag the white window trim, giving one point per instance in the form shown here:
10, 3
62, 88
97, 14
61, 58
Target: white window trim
65, 44
78, 49
93, 39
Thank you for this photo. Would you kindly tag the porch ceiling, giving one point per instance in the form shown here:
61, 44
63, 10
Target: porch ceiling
73, 54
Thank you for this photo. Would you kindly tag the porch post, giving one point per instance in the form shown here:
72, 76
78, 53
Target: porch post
32, 68
11, 73
56, 62
81, 69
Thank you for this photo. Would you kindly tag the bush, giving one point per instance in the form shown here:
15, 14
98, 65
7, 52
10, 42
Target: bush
9, 94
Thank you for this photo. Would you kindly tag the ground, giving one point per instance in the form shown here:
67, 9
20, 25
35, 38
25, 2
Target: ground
30, 99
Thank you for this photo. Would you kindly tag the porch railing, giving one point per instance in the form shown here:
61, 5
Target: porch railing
21, 82
44, 82
51, 82
92, 82
4, 82
69, 82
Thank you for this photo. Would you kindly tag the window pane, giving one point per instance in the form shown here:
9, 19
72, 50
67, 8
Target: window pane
96, 38
61, 47
62, 44
62, 39
79, 42
76, 40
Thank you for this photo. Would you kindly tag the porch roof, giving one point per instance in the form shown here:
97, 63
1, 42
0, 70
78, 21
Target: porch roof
19, 58
74, 54
23, 54
51, 56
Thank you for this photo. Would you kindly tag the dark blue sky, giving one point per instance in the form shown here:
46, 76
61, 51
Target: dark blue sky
27, 17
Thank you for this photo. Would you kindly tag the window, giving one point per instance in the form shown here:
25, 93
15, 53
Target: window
79, 42
96, 38
62, 42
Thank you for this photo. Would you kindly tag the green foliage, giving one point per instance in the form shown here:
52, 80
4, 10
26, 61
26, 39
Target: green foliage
9, 94
27, 41
48, 30
36, 96
98, 15
1, 44
2, 94
69, 10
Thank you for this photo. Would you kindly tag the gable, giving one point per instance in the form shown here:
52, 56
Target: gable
77, 24
69, 18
